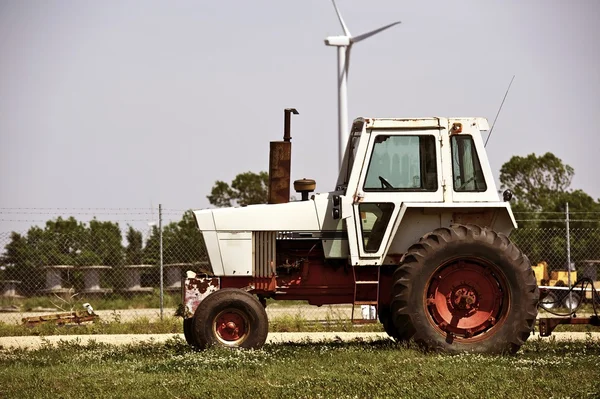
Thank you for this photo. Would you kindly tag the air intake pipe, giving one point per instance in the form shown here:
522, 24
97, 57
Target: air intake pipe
280, 162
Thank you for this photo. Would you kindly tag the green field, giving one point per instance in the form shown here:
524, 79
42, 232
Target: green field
324, 370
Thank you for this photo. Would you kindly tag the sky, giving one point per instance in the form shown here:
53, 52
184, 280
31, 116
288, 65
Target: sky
120, 105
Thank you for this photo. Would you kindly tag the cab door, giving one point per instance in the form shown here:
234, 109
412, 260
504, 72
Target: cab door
398, 166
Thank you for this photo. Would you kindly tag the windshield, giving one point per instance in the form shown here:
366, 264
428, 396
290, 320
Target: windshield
405, 163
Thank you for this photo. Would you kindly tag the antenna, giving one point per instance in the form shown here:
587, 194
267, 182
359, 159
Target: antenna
344, 44
500, 109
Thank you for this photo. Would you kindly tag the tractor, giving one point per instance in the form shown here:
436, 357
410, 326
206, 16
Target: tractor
414, 228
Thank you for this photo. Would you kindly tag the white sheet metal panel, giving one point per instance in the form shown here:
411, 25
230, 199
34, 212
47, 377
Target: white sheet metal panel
398, 123
402, 123
236, 252
422, 218
413, 225
293, 216
206, 223
504, 222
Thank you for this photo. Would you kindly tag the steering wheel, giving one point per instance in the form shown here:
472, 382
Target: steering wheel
469, 180
385, 183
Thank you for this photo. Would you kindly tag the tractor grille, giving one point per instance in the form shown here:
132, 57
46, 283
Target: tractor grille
263, 246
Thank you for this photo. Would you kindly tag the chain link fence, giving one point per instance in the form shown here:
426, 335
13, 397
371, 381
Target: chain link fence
116, 265
564, 250
112, 262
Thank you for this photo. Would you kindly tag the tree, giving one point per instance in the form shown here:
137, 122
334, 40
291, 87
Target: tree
20, 263
106, 242
183, 241
536, 181
134, 251
541, 186
61, 242
246, 189
151, 253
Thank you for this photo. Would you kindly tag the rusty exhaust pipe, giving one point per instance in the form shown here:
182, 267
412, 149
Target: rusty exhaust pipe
280, 162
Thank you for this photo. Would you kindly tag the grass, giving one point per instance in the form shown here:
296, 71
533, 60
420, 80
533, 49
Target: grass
114, 301
171, 324
285, 303
577, 328
325, 370
139, 326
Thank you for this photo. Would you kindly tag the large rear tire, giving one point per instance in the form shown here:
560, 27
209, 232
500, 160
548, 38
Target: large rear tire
385, 318
230, 318
465, 289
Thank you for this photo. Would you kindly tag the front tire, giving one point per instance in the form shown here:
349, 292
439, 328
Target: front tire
230, 318
188, 332
465, 289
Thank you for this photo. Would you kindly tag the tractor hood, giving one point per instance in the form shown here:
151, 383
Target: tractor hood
296, 216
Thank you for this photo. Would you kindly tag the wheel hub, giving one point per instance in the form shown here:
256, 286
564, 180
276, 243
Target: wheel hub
230, 327
465, 298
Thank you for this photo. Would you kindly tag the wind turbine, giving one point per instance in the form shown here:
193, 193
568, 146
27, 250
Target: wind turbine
344, 44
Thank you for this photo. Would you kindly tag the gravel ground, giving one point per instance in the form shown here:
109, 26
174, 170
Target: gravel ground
34, 342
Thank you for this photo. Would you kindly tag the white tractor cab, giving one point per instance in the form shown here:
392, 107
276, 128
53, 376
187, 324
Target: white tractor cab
413, 228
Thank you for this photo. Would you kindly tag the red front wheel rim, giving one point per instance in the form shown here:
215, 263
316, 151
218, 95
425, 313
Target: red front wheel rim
231, 327
467, 298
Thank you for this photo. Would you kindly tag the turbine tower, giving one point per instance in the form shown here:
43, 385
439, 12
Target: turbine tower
344, 44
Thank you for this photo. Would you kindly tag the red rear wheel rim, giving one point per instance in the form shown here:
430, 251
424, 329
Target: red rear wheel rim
231, 327
466, 298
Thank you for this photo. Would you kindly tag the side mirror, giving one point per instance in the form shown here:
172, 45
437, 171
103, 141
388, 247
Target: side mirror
507, 195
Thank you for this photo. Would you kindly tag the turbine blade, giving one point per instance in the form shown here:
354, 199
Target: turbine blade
344, 27
358, 38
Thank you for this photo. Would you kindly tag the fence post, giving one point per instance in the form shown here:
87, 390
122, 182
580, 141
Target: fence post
160, 235
569, 257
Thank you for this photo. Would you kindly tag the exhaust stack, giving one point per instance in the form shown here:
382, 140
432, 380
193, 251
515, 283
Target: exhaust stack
280, 162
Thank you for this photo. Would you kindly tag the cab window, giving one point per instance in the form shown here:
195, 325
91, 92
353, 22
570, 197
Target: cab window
466, 169
402, 163
374, 219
